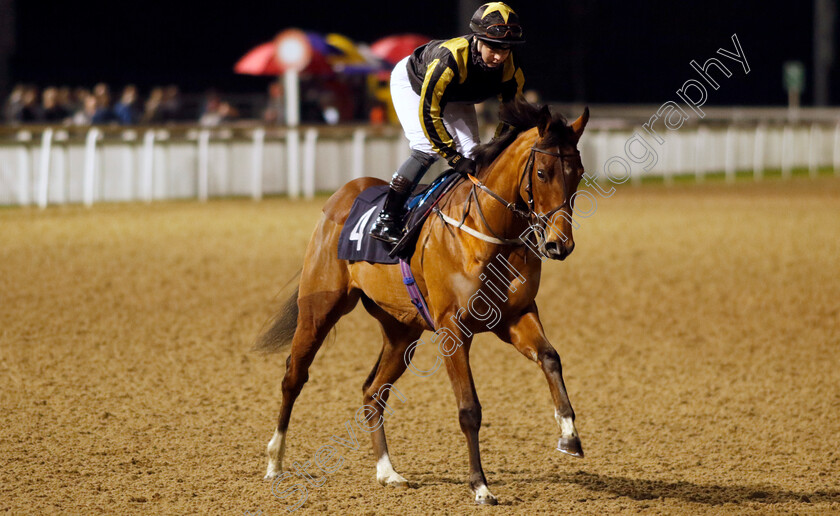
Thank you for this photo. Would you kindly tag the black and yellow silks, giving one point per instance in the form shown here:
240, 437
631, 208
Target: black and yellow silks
452, 70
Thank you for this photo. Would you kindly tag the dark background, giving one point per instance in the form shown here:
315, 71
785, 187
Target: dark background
596, 51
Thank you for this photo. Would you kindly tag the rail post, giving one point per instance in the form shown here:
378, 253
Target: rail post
729, 154
699, 149
24, 172
89, 181
163, 136
61, 166
147, 174
359, 136
293, 162
203, 164
814, 141
787, 152
257, 164
310, 141
758, 151
44, 173
669, 158
837, 149
129, 137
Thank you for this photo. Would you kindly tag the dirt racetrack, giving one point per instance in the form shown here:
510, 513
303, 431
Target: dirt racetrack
699, 328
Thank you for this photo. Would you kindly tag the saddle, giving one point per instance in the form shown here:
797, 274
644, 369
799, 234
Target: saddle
354, 242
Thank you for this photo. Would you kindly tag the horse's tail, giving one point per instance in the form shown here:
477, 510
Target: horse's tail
279, 335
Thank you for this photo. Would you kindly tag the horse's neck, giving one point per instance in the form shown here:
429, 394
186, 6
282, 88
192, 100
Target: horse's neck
503, 177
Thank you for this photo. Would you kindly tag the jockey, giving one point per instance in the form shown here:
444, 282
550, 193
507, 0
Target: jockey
435, 90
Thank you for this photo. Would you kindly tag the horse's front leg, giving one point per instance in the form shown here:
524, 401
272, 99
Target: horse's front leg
527, 335
469, 409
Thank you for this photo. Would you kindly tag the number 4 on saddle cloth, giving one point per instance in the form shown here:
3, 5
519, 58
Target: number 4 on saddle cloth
355, 244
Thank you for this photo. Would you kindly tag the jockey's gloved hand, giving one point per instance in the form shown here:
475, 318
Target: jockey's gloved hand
462, 165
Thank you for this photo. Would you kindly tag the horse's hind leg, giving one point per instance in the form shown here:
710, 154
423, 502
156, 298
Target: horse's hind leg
379, 385
317, 314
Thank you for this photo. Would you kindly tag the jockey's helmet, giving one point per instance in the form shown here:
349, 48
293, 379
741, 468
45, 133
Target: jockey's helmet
497, 24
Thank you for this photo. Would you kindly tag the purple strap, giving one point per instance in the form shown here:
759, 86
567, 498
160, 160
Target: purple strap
414, 293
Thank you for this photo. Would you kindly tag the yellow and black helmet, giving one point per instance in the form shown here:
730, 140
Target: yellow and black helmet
496, 23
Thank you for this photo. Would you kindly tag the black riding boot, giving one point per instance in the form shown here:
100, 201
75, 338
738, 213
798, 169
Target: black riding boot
388, 226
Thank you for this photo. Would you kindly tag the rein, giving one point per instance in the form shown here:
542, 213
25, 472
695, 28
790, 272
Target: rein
528, 214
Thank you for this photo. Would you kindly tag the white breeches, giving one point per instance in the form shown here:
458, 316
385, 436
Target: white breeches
458, 118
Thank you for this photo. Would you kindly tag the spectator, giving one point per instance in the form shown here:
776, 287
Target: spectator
275, 110
102, 90
310, 107
210, 102
14, 104
77, 101
103, 114
211, 116
64, 98
85, 115
171, 108
53, 111
30, 111
217, 112
127, 110
152, 113
228, 112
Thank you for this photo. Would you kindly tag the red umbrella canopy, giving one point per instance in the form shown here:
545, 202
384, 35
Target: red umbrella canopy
394, 48
262, 60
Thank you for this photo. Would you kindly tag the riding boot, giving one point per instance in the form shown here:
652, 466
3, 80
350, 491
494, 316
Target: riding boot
388, 225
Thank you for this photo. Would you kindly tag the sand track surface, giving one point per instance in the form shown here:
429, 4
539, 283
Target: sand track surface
699, 328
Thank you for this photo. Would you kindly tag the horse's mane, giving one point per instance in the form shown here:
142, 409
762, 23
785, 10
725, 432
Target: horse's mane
521, 115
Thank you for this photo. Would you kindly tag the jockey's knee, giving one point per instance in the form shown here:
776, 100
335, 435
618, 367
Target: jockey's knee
416, 165
424, 158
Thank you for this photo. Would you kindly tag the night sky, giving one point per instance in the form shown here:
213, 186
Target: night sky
596, 51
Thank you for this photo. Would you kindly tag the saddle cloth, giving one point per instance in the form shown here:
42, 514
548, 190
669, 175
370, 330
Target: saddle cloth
355, 244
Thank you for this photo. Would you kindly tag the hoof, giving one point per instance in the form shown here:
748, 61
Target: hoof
483, 496
570, 446
395, 480
272, 475
487, 501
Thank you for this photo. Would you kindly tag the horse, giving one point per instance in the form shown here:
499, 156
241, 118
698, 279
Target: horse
525, 185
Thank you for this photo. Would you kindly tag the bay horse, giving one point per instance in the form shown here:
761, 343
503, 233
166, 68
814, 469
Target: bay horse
532, 170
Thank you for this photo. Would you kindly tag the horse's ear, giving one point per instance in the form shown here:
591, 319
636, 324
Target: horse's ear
579, 124
544, 121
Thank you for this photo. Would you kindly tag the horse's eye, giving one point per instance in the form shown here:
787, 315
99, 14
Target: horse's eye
541, 174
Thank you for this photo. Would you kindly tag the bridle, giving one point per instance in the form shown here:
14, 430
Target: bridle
530, 164
528, 214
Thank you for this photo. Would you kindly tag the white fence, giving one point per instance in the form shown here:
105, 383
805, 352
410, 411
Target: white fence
51, 165
727, 149
59, 165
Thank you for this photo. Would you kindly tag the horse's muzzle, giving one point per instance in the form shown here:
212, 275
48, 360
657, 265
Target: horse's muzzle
558, 250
